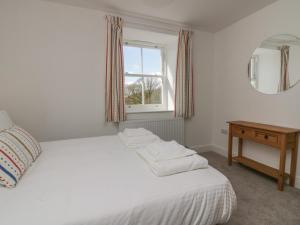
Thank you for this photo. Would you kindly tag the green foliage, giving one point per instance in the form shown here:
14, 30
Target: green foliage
152, 91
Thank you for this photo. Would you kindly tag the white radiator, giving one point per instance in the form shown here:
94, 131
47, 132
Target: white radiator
166, 129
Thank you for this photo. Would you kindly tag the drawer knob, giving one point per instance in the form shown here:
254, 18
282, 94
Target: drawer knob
243, 131
266, 136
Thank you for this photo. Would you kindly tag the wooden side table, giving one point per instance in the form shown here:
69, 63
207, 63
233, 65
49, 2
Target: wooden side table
281, 138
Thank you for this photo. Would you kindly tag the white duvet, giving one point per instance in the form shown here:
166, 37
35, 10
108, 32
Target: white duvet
96, 181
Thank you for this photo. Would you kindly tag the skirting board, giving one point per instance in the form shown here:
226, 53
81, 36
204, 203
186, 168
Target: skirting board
223, 152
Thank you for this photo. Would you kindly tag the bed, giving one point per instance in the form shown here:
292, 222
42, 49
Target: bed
97, 181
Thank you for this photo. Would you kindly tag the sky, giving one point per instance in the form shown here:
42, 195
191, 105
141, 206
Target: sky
133, 61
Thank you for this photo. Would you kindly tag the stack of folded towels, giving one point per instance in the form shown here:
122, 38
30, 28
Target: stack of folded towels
164, 158
137, 138
167, 158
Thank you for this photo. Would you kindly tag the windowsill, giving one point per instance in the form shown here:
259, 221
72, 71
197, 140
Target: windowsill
154, 111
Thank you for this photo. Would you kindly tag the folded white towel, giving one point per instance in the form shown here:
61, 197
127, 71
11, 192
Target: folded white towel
134, 132
139, 141
166, 150
173, 166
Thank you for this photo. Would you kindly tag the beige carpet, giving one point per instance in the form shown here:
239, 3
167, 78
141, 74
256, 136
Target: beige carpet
259, 202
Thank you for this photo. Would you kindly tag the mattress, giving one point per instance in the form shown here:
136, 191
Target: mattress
97, 181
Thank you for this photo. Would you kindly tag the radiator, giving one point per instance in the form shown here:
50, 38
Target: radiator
166, 129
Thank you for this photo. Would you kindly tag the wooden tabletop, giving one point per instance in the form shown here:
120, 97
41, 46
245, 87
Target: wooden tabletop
262, 126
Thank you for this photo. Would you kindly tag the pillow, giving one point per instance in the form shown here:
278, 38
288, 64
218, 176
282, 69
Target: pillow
14, 160
18, 149
26, 140
5, 121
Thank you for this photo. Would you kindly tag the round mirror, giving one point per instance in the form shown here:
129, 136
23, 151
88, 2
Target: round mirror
275, 65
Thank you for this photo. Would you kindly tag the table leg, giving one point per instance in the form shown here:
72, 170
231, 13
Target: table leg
230, 145
240, 148
282, 163
294, 162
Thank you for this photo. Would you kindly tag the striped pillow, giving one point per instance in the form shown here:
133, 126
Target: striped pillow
18, 149
25, 139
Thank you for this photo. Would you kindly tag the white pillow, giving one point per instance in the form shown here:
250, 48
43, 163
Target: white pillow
5, 121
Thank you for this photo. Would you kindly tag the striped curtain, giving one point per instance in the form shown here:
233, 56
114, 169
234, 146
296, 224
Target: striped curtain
184, 97
114, 89
284, 83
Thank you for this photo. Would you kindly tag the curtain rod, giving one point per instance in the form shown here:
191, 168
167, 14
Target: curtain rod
152, 28
152, 24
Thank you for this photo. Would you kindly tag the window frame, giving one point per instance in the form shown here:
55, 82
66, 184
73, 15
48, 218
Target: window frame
148, 107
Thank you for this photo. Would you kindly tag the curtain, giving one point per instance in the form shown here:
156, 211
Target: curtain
114, 89
284, 82
184, 97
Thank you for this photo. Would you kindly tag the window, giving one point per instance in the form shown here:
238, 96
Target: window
144, 77
253, 71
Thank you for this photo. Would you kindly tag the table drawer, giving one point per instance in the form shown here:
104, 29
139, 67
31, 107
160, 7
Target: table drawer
268, 138
242, 131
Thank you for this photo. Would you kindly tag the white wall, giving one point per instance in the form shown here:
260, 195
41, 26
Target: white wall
234, 98
52, 72
199, 128
52, 68
171, 71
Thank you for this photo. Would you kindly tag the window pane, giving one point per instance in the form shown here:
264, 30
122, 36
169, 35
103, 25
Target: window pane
132, 60
133, 90
152, 61
152, 90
